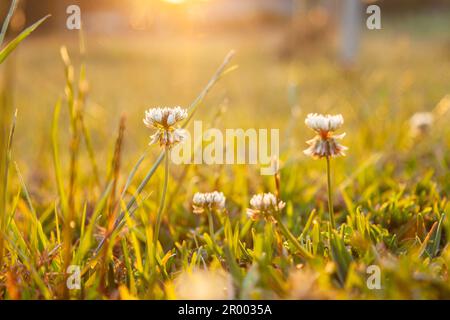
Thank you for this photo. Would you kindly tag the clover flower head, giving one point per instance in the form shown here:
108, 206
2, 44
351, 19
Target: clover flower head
210, 200
168, 138
264, 205
420, 123
324, 123
164, 120
325, 143
204, 285
164, 117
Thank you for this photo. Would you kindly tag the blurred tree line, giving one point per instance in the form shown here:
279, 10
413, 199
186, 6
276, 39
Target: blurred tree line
32, 10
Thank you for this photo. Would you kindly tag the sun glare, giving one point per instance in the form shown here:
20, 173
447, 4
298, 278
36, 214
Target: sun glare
175, 1
183, 1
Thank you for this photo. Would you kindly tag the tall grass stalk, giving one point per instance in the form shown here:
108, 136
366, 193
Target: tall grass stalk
4, 194
115, 168
221, 71
82, 99
72, 104
5, 147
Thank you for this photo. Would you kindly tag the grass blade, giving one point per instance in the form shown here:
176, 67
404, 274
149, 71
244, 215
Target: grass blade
22, 36
12, 8
56, 160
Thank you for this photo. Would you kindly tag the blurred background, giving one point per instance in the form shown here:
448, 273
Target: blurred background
113, 16
294, 57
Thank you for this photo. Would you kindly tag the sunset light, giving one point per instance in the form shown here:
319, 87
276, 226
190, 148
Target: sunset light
256, 152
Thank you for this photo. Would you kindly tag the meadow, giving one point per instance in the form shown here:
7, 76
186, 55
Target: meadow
78, 136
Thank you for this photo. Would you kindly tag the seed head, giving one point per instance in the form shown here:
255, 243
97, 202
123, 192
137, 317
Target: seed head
264, 206
325, 143
211, 201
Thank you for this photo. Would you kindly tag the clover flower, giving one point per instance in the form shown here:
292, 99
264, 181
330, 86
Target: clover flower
211, 200
420, 123
264, 205
325, 143
304, 284
204, 285
164, 120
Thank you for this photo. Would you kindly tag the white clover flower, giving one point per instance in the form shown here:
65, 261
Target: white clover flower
304, 285
164, 120
325, 143
164, 117
204, 285
324, 123
420, 123
168, 138
211, 201
264, 205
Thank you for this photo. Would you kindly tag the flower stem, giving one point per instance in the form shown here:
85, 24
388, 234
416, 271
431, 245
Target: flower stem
220, 72
302, 251
330, 192
211, 225
161, 204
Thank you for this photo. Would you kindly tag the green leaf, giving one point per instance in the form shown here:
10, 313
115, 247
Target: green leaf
340, 255
22, 36
437, 238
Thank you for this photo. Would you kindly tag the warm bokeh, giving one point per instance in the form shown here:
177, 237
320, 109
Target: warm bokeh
293, 57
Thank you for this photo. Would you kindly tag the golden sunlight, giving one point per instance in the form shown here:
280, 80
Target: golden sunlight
175, 1
183, 1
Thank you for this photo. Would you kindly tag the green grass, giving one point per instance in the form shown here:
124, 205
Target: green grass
390, 192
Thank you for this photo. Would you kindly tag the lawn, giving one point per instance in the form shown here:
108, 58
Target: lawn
69, 174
